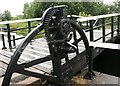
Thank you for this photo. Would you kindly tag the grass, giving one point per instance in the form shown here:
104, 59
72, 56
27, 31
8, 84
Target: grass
23, 26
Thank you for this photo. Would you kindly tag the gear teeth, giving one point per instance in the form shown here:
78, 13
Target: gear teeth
46, 25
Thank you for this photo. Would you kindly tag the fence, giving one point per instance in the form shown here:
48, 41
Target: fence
92, 23
9, 32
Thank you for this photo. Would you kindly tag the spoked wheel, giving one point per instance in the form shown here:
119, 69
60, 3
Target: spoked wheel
64, 37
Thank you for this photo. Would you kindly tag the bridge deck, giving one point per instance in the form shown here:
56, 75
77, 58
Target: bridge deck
37, 49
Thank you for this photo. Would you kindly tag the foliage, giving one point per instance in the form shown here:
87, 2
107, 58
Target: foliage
26, 11
116, 7
84, 14
6, 15
36, 9
18, 17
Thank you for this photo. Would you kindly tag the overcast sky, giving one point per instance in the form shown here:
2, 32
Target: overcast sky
16, 6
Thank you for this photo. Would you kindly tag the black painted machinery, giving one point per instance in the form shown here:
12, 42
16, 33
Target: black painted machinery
63, 36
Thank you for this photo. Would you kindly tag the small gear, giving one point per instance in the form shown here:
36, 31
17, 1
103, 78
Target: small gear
65, 27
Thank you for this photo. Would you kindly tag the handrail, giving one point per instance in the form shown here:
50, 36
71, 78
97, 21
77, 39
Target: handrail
19, 21
80, 19
83, 19
9, 30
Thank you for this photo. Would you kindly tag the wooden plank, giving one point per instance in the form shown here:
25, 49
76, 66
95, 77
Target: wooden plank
4, 59
38, 48
27, 58
6, 53
105, 45
9, 54
42, 68
41, 43
35, 53
3, 65
29, 81
2, 72
1, 80
49, 62
19, 78
25, 80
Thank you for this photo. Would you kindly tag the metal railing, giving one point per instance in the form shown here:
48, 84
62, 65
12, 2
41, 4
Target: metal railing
9, 31
111, 20
92, 23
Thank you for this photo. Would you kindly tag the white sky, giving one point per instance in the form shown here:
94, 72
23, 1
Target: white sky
108, 1
16, 6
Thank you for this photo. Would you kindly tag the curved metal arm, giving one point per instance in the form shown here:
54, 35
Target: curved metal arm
13, 62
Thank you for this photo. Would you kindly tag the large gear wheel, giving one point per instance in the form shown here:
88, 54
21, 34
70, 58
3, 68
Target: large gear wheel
61, 30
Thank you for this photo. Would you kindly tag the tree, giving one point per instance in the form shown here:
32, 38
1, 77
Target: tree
27, 11
17, 17
112, 9
6, 15
116, 6
36, 9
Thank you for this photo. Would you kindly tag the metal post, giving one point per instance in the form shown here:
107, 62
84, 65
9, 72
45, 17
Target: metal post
9, 36
90, 75
91, 31
91, 48
3, 40
118, 24
56, 63
103, 29
112, 26
87, 24
29, 26
14, 44
57, 67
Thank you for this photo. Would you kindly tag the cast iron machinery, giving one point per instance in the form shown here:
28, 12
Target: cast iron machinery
62, 35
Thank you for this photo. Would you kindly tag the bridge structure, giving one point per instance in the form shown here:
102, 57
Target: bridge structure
56, 55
